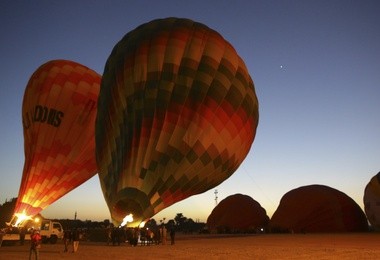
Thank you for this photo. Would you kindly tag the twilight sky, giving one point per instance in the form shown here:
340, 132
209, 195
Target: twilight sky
315, 65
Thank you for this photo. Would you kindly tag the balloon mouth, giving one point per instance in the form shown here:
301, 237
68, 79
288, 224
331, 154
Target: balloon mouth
21, 218
131, 201
126, 207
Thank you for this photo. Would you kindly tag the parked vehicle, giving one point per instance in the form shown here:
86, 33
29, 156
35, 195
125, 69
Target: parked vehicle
51, 231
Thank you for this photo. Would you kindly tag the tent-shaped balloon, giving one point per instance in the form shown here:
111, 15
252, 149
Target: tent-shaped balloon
237, 213
58, 115
371, 200
318, 208
177, 115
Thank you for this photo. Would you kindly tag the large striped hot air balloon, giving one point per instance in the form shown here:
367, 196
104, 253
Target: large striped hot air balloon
58, 114
177, 115
371, 201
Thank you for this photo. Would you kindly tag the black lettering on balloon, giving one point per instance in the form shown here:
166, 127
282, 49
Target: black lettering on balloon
58, 117
51, 116
43, 114
38, 113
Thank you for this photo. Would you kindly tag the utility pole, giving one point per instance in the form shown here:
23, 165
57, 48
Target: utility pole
216, 197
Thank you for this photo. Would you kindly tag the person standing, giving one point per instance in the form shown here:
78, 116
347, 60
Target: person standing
157, 236
22, 235
35, 244
116, 236
172, 235
163, 235
66, 239
75, 238
136, 235
109, 234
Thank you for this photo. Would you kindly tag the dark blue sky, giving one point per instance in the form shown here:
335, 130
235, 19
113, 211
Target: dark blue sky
315, 65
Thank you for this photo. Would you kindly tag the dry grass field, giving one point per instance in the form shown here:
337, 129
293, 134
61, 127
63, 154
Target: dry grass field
264, 246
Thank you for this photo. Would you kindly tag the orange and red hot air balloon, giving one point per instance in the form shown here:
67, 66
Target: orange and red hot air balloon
58, 115
177, 115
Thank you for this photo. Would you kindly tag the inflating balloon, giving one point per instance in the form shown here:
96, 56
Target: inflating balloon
239, 213
318, 209
177, 115
58, 115
371, 200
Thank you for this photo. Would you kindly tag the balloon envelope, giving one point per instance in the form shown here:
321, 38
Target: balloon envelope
177, 114
372, 201
318, 208
58, 114
237, 213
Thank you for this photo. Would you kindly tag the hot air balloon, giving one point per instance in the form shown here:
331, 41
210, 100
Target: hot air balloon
177, 115
58, 115
237, 213
371, 200
316, 209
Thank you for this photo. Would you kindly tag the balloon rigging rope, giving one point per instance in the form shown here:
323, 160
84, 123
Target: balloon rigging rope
257, 185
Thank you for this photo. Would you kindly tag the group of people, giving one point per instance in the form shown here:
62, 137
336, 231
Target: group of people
144, 236
114, 234
163, 234
71, 237
68, 237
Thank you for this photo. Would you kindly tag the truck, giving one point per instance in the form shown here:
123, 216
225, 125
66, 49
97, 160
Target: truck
50, 232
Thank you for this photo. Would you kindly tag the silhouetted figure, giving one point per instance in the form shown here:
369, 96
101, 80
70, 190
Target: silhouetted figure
22, 235
133, 236
75, 238
172, 235
157, 236
109, 235
163, 234
136, 235
149, 236
66, 239
35, 244
116, 236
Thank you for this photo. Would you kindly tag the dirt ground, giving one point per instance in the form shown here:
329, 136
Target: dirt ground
263, 246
